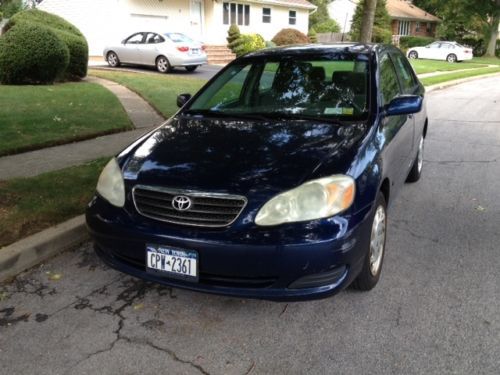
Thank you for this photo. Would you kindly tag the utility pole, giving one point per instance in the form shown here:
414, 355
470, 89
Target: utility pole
367, 22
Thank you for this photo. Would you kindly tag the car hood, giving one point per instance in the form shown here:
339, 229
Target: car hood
237, 156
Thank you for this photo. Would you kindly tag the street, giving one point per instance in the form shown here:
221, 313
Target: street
436, 309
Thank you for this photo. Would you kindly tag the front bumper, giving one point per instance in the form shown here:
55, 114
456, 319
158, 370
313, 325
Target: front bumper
297, 262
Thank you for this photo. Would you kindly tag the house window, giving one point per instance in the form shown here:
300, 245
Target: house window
404, 27
233, 13
292, 17
266, 15
417, 27
429, 27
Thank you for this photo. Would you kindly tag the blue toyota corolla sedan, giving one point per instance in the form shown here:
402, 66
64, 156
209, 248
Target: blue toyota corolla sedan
273, 181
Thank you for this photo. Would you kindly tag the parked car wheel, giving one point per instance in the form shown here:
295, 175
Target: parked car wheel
112, 59
191, 68
372, 265
418, 163
451, 58
413, 55
162, 65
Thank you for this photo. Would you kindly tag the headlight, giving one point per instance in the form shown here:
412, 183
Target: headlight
110, 185
315, 199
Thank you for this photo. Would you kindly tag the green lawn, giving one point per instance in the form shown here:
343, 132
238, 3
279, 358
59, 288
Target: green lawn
458, 75
160, 91
486, 60
39, 116
430, 66
28, 205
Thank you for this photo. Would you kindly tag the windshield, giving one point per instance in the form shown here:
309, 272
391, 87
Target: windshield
321, 86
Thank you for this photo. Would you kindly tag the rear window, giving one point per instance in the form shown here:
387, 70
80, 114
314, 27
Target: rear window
178, 38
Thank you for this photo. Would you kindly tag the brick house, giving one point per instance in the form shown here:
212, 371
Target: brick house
410, 20
407, 19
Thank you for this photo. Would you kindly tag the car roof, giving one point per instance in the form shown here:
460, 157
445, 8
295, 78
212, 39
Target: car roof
356, 48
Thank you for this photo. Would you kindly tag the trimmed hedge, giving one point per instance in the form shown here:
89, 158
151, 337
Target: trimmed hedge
68, 33
32, 54
407, 42
290, 36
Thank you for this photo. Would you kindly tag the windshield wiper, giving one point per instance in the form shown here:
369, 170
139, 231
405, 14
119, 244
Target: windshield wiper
298, 116
212, 113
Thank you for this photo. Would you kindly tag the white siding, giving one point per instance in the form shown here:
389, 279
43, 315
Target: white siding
217, 31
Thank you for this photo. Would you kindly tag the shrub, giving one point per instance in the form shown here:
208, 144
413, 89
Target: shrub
233, 38
249, 43
290, 36
1, 15
32, 54
313, 37
68, 33
407, 42
10, 7
329, 26
270, 44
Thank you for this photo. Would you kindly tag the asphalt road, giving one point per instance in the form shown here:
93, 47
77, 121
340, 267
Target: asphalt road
436, 309
203, 72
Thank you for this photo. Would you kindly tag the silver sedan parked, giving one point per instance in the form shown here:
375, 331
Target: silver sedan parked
163, 50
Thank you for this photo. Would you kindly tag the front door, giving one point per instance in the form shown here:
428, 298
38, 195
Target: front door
196, 19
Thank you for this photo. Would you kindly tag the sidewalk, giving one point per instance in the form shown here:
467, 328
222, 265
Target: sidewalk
33, 163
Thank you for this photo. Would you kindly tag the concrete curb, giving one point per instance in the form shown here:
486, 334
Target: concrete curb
41, 246
445, 85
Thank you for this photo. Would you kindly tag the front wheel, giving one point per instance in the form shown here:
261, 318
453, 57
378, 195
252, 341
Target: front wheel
413, 55
418, 163
113, 60
451, 58
191, 68
162, 65
372, 264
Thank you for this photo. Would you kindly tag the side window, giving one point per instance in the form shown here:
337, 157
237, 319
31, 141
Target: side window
153, 38
405, 73
136, 39
389, 85
267, 77
231, 91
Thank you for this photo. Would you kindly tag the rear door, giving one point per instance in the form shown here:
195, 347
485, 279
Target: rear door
150, 49
397, 130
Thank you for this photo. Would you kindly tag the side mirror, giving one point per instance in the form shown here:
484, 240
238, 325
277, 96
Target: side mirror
404, 105
183, 99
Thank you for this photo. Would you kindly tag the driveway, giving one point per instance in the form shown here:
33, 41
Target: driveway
203, 72
435, 310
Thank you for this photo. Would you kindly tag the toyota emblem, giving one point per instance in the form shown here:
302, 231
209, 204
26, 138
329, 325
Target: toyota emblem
181, 203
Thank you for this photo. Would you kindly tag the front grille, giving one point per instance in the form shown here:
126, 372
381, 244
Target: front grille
206, 210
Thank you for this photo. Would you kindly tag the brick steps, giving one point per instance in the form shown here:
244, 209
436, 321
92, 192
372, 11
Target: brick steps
219, 54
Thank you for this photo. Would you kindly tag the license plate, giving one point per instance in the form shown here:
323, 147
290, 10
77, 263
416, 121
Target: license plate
195, 51
171, 262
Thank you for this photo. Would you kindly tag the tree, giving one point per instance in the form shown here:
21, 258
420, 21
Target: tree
233, 38
320, 20
312, 35
381, 29
367, 21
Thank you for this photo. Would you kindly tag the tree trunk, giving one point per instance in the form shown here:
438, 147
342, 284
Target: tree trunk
367, 22
490, 51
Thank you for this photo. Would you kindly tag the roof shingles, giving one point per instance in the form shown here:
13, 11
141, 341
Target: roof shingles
404, 9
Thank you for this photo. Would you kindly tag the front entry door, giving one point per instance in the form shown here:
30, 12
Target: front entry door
197, 19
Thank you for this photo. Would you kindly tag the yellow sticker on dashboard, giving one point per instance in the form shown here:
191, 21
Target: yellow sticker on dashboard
347, 111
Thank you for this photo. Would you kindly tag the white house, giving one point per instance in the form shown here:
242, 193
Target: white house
106, 21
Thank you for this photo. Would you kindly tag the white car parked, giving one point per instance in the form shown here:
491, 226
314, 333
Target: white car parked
448, 51
163, 50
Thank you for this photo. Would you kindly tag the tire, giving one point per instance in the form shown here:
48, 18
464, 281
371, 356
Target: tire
112, 59
372, 264
451, 58
418, 163
191, 68
163, 65
413, 55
